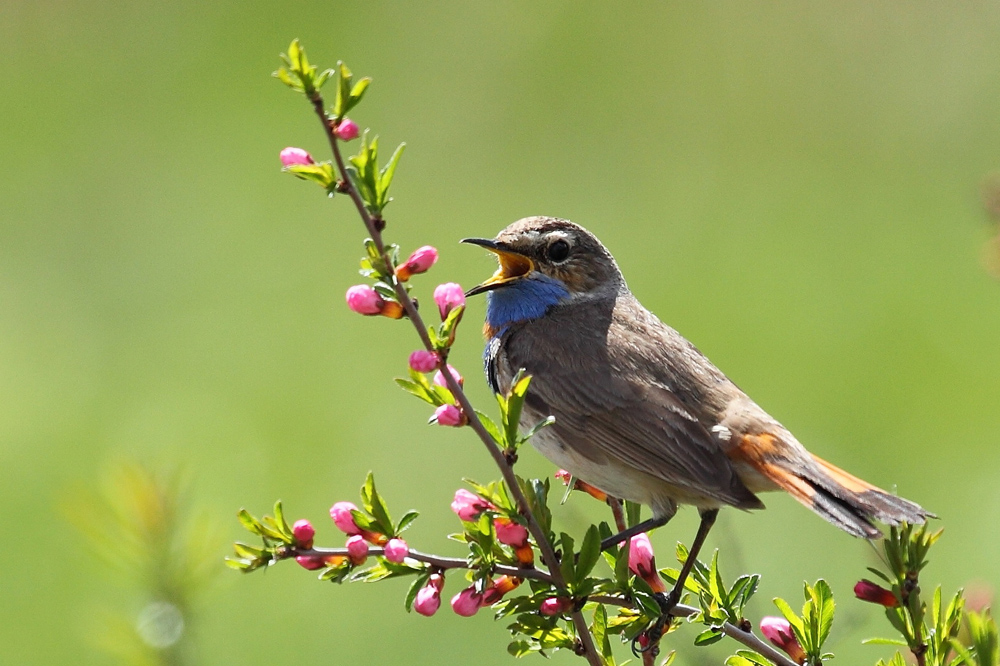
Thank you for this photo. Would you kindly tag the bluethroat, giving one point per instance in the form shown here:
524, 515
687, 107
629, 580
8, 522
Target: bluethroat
639, 412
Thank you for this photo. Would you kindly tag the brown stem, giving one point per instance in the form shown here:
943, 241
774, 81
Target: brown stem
747, 638
541, 538
433, 560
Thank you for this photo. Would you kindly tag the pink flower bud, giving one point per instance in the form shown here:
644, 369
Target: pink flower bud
469, 506
563, 476
778, 631
555, 606
640, 555
428, 600
642, 562
303, 532
357, 549
449, 415
467, 602
424, 361
448, 296
439, 377
876, 594
363, 299
510, 533
295, 156
396, 550
419, 262
496, 589
342, 518
311, 563
346, 130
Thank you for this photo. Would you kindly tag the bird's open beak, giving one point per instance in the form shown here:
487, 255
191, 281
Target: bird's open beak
513, 265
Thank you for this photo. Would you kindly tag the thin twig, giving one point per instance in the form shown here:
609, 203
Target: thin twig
747, 638
433, 560
541, 538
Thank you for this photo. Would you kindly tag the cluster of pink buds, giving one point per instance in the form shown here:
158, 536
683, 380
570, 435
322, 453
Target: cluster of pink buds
642, 562
303, 531
778, 631
583, 486
346, 130
429, 596
876, 594
363, 299
419, 262
295, 157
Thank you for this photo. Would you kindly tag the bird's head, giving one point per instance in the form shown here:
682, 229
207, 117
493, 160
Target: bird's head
547, 249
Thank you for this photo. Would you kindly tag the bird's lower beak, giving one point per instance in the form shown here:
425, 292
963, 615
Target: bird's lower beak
513, 265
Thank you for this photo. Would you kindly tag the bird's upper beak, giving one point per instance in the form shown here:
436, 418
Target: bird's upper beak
513, 265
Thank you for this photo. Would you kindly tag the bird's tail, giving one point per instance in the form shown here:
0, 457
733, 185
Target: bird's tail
842, 498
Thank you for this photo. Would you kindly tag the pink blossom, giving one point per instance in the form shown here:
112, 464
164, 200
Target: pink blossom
363, 299
439, 377
640, 555
467, 602
449, 415
778, 631
303, 532
295, 157
469, 506
428, 600
357, 549
342, 518
510, 533
424, 361
396, 550
311, 563
563, 476
448, 296
346, 130
554, 606
419, 262
876, 594
642, 562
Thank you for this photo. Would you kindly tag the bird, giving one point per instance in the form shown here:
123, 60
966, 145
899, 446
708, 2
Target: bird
639, 412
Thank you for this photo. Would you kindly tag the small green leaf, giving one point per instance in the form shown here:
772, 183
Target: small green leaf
250, 523
406, 521
708, 637
590, 552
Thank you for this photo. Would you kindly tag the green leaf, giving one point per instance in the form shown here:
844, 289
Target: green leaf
590, 552
416, 389
491, 427
566, 565
708, 637
515, 405
385, 177
321, 173
250, 523
279, 517
406, 521
822, 598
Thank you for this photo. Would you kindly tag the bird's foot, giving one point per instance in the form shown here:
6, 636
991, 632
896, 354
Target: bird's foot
649, 640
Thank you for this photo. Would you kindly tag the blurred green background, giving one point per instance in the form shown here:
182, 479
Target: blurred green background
794, 186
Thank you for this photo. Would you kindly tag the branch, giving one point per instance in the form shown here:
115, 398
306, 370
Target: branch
374, 228
747, 638
433, 560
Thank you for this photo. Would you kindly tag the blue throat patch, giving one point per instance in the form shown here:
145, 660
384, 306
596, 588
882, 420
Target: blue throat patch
522, 299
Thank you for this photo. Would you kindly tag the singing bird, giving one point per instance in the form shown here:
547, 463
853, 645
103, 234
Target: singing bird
639, 412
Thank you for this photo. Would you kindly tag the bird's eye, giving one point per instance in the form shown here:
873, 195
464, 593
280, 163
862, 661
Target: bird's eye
558, 251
